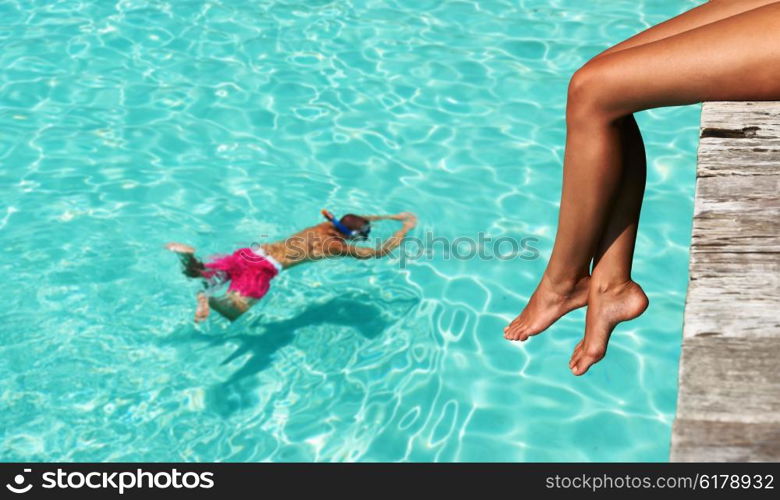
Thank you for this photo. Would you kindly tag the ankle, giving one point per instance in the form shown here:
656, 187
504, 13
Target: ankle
606, 284
564, 283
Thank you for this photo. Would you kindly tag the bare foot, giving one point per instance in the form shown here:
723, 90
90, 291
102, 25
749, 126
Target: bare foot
180, 248
191, 267
607, 306
202, 311
548, 303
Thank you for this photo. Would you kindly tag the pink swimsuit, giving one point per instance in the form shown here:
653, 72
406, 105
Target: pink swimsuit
250, 271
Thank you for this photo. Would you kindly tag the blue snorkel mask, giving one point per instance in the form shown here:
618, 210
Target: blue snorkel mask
358, 234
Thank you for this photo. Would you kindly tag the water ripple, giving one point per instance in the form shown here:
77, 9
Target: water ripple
127, 124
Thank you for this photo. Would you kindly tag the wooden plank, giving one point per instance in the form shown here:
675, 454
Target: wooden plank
729, 441
727, 231
734, 115
728, 295
730, 379
739, 139
739, 193
729, 387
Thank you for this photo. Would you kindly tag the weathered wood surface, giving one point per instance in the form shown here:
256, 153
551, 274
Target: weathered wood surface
728, 407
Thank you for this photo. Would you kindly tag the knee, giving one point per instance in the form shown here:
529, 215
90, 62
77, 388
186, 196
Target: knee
583, 82
588, 95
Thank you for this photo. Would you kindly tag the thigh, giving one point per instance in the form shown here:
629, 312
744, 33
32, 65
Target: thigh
231, 305
704, 14
737, 58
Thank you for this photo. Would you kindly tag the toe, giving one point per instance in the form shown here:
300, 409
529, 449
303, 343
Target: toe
575, 355
520, 331
510, 332
581, 367
590, 356
575, 360
526, 333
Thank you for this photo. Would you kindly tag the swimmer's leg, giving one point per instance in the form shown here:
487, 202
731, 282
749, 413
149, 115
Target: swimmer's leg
191, 266
231, 305
202, 310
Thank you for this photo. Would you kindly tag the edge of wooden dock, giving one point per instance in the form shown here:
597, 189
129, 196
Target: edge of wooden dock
728, 406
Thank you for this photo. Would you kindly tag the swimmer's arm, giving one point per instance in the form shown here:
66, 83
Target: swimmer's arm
401, 216
387, 246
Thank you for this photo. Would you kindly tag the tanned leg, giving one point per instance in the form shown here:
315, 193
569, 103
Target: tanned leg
554, 298
191, 266
614, 256
202, 309
737, 58
231, 305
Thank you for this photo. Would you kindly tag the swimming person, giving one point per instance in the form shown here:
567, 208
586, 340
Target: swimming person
723, 50
250, 270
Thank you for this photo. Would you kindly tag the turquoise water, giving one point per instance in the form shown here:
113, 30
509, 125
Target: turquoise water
124, 125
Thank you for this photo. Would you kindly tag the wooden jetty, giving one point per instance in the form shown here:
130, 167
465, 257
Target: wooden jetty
728, 407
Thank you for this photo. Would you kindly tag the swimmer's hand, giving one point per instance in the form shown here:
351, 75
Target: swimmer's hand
409, 219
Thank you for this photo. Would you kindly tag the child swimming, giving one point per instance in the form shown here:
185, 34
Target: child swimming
250, 270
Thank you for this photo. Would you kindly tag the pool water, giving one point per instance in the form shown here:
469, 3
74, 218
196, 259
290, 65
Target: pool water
124, 125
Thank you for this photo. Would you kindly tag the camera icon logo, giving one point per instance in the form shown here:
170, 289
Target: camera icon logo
19, 480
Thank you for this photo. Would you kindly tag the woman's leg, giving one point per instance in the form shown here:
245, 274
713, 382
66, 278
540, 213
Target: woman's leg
613, 259
614, 255
615, 251
553, 299
737, 58
709, 12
